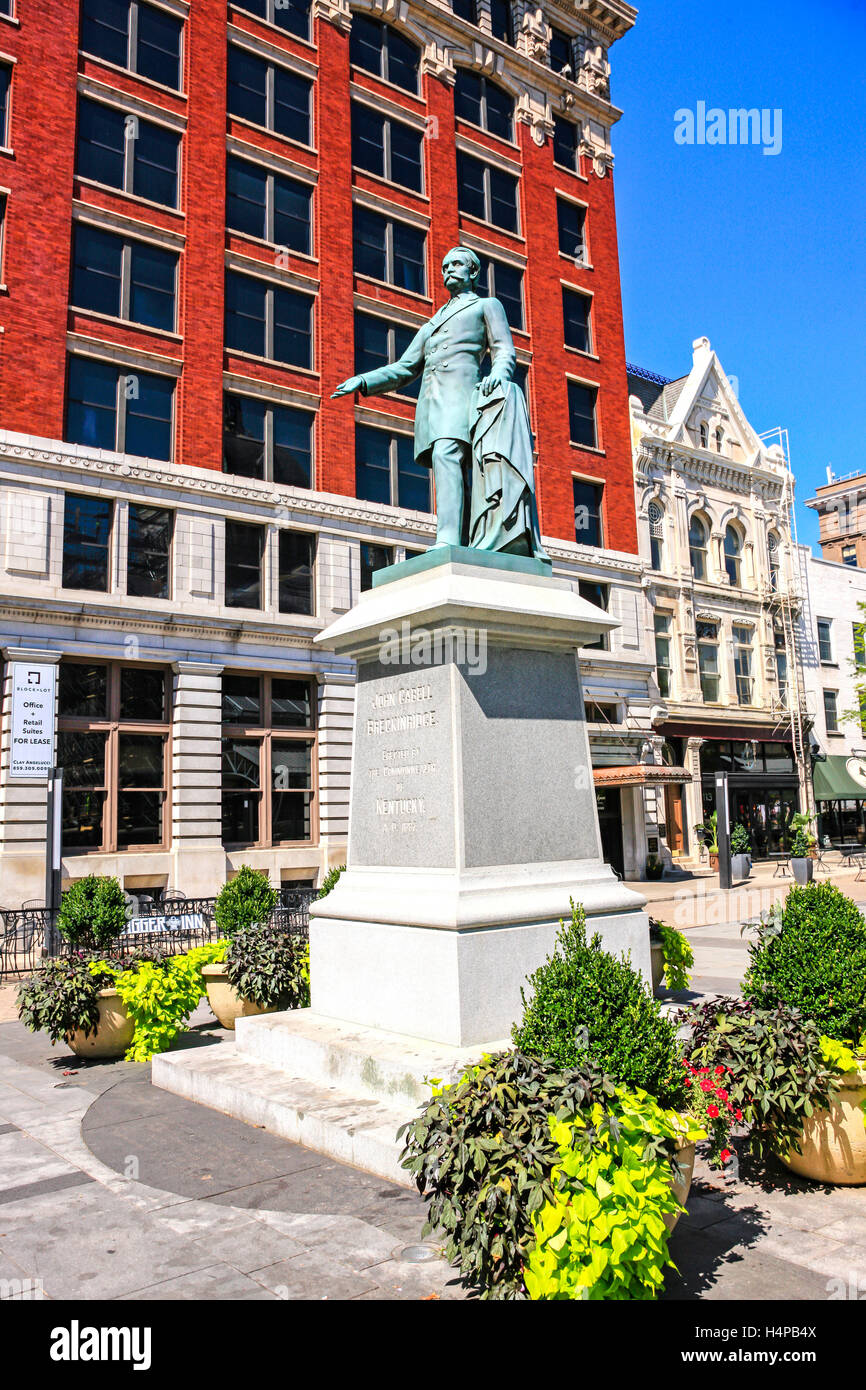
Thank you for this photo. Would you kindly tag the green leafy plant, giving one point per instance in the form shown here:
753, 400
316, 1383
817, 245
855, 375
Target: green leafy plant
61, 998
775, 1073
92, 912
710, 832
812, 957
270, 967
246, 899
654, 866
603, 1235
800, 826
588, 1006
330, 881
159, 997
677, 954
741, 840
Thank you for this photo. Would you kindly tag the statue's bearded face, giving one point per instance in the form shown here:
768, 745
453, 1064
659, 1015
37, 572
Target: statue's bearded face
457, 272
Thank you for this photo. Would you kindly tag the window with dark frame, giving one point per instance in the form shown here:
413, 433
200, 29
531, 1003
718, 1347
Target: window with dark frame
588, 500
373, 558
707, 634
733, 553
383, 51
561, 55
268, 320
582, 401
576, 320
599, 594
663, 623
268, 206
87, 523
269, 95
3, 201
698, 547
391, 251
109, 407
380, 341
831, 712
505, 283
295, 559
268, 760
148, 551
742, 639
124, 151
387, 471
571, 224
825, 640
386, 147
486, 192
502, 20
484, 104
123, 279
268, 441
244, 551
5, 84
112, 741
466, 9
566, 142
291, 15
136, 36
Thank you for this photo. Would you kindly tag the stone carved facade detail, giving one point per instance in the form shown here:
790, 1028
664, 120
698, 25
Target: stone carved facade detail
436, 60
594, 74
533, 110
534, 38
334, 12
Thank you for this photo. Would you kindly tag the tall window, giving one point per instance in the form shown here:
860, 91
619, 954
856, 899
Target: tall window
124, 151
656, 518
5, 84
734, 556
269, 206
565, 144
243, 564
481, 102
269, 741
148, 554
703, 434
560, 51
575, 314
599, 594
720, 440
379, 49
391, 149
377, 342
268, 320
291, 15
831, 712
110, 407
124, 279
708, 660
825, 639
849, 555
373, 558
774, 559
388, 250
698, 547
112, 740
505, 283
86, 542
261, 440
743, 664
582, 401
663, 623
588, 528
297, 553
486, 192
268, 95
571, 222
466, 9
780, 647
133, 35
386, 470
502, 20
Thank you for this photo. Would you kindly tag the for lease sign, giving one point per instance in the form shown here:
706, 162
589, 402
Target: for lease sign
33, 687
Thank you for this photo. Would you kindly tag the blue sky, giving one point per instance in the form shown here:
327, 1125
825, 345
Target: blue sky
764, 254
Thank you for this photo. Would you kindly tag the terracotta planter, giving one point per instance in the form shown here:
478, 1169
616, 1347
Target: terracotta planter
714, 860
657, 967
113, 1033
682, 1185
834, 1141
224, 999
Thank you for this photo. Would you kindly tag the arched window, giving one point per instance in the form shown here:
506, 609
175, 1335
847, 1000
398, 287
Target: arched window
733, 555
698, 547
720, 439
379, 49
704, 434
774, 557
480, 101
656, 515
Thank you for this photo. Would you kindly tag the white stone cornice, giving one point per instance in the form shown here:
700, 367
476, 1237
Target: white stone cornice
336, 12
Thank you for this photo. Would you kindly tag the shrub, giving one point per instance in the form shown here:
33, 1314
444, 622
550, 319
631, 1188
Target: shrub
270, 967
811, 956
330, 881
741, 840
159, 996
776, 1074
60, 999
589, 1006
246, 899
92, 912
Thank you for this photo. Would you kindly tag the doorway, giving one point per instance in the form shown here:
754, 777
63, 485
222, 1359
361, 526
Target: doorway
609, 804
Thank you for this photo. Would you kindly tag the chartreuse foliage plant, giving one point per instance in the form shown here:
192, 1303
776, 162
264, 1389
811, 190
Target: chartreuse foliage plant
246, 899
159, 998
92, 912
603, 1234
588, 1006
677, 955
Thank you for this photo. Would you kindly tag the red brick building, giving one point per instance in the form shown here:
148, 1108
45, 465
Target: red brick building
126, 119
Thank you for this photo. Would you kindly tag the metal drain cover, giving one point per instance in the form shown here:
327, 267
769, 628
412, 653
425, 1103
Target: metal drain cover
417, 1254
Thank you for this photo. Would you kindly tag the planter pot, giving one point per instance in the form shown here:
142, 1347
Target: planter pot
682, 1184
113, 1032
657, 967
741, 865
714, 860
834, 1141
224, 999
802, 869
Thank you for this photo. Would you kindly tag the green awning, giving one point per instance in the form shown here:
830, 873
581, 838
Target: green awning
833, 782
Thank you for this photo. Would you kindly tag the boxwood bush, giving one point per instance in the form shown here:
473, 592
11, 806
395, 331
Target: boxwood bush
812, 957
588, 1006
246, 899
92, 912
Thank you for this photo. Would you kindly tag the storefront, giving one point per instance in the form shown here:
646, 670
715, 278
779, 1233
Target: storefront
763, 788
621, 845
840, 800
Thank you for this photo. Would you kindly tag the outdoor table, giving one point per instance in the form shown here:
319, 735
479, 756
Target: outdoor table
781, 859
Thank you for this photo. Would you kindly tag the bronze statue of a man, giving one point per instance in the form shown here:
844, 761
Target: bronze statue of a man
464, 421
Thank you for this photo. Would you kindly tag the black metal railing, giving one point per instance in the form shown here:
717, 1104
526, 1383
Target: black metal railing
29, 935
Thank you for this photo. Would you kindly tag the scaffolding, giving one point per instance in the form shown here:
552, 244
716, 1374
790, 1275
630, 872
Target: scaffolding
786, 597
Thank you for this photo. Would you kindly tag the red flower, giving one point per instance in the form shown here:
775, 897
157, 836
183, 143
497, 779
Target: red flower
722, 1095
706, 1085
725, 1155
713, 1111
720, 1071
738, 1114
